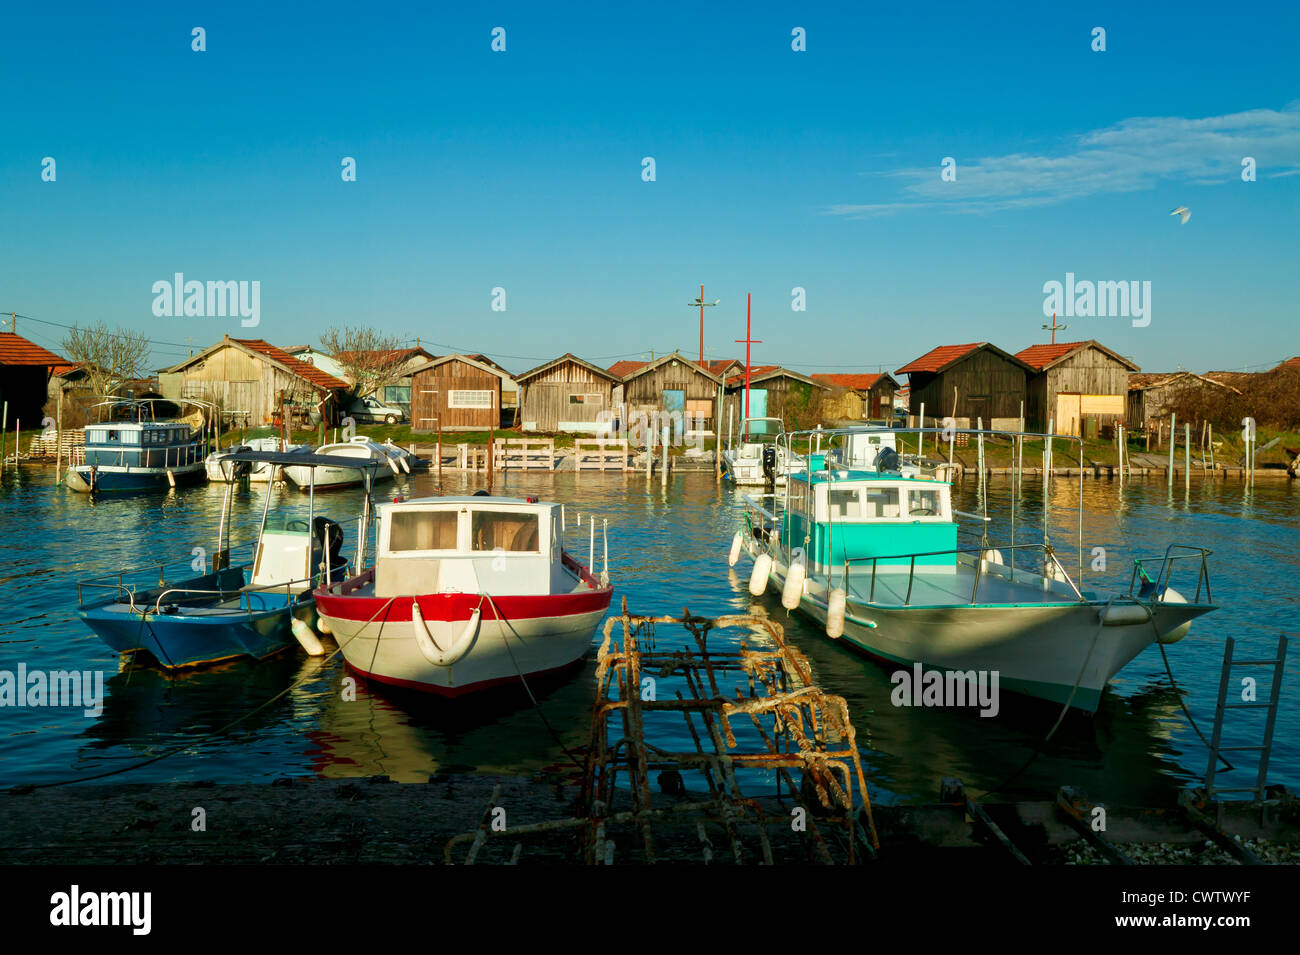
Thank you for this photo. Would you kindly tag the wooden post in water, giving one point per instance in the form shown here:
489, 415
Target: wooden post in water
649, 450
663, 465
1187, 457
4, 427
439, 449
1211, 444
920, 435
1173, 423
58, 439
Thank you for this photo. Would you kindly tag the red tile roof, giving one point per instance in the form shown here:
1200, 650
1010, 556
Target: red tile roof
718, 365
939, 358
754, 371
1291, 361
300, 368
16, 350
858, 382
1040, 355
621, 369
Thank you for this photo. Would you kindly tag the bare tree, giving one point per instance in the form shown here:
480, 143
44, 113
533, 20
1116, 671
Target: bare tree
369, 357
110, 358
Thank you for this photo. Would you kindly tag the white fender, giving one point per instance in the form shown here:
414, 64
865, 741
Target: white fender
406, 465
1173, 636
794, 578
735, 551
393, 464
429, 647
323, 626
836, 602
1124, 614
307, 638
758, 576
994, 556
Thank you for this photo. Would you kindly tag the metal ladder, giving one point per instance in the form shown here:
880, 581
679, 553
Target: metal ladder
1277, 663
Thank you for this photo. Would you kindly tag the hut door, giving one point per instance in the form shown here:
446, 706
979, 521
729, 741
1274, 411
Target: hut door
1067, 414
674, 400
758, 402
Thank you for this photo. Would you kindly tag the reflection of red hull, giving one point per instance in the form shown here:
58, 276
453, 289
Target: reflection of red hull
515, 635
451, 692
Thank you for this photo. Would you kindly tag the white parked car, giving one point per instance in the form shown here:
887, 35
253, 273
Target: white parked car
372, 409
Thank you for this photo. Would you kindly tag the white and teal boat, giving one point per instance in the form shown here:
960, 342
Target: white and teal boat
872, 554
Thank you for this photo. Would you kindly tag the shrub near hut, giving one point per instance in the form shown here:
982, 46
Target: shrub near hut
1271, 398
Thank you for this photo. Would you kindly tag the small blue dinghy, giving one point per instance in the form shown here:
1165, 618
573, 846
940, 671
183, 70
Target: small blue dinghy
222, 610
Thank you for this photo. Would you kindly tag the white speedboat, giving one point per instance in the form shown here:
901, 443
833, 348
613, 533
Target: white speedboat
743, 461
260, 472
872, 555
359, 448
466, 593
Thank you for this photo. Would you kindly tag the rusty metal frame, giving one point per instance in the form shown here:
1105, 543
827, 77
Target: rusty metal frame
796, 729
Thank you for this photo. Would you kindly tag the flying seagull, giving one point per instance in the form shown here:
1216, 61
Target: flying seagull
1183, 211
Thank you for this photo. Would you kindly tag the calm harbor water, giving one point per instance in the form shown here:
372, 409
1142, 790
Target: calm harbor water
668, 549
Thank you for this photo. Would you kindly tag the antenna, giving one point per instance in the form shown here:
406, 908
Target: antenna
1055, 328
703, 305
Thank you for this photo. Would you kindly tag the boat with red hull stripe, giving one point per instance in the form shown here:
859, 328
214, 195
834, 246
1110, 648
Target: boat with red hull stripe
466, 593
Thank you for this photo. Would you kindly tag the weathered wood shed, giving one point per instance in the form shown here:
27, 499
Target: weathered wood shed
968, 383
774, 392
1079, 387
856, 396
673, 383
459, 392
565, 394
24, 378
245, 378
1151, 395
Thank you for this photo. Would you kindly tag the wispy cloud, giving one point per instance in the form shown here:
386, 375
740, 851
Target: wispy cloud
1130, 156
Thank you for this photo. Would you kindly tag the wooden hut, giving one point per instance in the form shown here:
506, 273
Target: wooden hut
1078, 387
774, 392
1150, 396
859, 396
565, 394
671, 384
970, 383
24, 378
248, 378
458, 393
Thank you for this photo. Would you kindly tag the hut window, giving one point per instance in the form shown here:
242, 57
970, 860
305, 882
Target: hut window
498, 530
401, 393
469, 399
584, 399
423, 530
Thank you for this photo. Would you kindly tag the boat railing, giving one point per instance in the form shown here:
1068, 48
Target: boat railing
1172, 554
119, 583
245, 594
1049, 557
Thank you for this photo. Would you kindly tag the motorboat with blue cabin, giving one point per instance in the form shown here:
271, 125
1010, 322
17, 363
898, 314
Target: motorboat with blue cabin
135, 451
215, 609
872, 555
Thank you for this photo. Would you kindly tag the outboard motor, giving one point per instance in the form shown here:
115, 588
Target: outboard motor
887, 460
769, 468
329, 536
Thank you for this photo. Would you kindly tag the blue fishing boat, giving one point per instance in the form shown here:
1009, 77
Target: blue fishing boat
871, 553
222, 610
135, 451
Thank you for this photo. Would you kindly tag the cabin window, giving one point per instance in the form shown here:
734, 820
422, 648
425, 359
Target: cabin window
584, 399
923, 503
398, 393
882, 502
504, 530
845, 504
112, 435
422, 530
469, 399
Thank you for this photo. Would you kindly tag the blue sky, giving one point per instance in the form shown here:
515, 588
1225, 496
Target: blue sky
774, 169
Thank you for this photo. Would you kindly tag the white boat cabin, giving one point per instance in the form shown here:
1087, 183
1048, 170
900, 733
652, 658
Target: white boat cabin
495, 545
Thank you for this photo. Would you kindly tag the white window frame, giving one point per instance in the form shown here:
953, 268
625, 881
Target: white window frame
454, 400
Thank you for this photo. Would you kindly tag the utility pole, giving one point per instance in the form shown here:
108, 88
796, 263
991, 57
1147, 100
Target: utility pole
1055, 327
703, 304
747, 340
